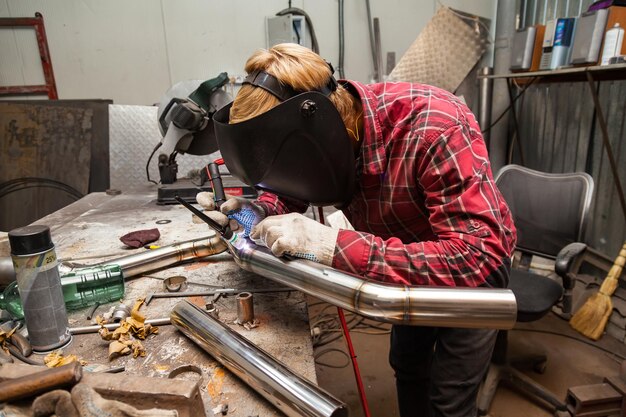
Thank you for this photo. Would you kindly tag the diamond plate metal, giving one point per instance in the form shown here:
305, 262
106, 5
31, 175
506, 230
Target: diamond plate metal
133, 133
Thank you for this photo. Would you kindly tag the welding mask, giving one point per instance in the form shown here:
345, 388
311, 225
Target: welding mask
299, 149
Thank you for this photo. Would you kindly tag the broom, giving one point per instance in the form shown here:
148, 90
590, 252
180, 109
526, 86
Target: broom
590, 320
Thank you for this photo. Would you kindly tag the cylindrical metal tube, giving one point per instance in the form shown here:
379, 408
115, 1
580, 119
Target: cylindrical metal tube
7, 271
290, 393
391, 303
152, 260
113, 326
484, 102
245, 308
44, 381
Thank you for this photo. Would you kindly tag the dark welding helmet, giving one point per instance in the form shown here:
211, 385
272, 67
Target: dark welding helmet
299, 149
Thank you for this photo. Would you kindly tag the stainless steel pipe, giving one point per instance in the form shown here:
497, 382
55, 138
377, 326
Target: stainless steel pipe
154, 259
290, 393
142, 262
391, 303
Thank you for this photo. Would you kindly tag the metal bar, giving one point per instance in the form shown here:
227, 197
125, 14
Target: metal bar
113, 326
287, 391
606, 142
518, 138
392, 303
379, 54
484, 102
23, 89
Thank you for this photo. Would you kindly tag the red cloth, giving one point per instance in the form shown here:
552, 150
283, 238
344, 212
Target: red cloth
140, 238
427, 210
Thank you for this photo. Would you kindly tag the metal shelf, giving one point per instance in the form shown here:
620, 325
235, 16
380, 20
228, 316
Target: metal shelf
598, 73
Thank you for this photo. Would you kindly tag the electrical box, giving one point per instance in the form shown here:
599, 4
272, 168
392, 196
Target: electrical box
287, 29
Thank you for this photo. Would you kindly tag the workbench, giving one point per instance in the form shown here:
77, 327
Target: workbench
88, 231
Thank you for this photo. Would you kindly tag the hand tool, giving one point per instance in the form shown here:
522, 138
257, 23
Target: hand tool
31, 385
224, 231
216, 182
221, 291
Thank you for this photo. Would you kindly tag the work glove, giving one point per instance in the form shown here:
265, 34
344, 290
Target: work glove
296, 235
241, 214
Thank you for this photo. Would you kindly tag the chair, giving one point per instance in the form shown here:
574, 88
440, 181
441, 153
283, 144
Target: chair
549, 211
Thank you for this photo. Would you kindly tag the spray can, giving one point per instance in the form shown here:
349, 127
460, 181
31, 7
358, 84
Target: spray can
39, 285
612, 43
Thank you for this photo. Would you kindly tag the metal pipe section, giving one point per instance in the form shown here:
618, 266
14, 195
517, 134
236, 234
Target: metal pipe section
142, 262
484, 102
151, 260
391, 303
290, 393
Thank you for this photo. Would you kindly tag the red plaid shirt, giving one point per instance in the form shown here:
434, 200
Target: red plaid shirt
426, 210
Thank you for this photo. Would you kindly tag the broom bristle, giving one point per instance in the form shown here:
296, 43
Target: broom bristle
592, 317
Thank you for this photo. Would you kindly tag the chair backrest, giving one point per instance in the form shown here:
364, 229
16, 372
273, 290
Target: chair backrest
549, 210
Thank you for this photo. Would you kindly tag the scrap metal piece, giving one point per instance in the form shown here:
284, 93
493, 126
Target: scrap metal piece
290, 393
184, 369
120, 313
245, 308
175, 283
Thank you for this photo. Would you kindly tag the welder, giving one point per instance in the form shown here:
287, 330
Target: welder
407, 165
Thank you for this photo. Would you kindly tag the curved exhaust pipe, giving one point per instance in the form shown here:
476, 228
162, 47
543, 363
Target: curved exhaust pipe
390, 303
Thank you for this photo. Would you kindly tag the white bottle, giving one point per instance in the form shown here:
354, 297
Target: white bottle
612, 43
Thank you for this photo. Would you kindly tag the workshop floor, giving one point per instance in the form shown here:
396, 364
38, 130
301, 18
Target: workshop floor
572, 361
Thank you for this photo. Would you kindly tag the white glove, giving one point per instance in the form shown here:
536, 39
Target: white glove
241, 214
296, 235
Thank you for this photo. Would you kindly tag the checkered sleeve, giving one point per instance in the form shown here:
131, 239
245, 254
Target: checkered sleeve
473, 232
273, 204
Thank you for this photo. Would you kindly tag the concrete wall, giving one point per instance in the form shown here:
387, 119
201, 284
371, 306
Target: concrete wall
133, 51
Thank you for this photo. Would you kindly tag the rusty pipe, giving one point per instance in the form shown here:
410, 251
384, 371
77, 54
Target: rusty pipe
392, 303
31, 385
290, 393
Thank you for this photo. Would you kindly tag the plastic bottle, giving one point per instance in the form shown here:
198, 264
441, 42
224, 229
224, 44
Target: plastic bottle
39, 284
81, 288
612, 43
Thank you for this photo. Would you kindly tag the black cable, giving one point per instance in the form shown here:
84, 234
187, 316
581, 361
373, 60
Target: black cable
23, 183
510, 105
148, 163
17, 354
322, 352
586, 342
299, 12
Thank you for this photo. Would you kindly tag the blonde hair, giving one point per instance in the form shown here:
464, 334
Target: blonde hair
299, 68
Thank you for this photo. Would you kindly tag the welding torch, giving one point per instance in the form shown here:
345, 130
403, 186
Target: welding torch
219, 197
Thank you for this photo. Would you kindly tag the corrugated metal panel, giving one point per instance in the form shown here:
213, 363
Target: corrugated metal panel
559, 134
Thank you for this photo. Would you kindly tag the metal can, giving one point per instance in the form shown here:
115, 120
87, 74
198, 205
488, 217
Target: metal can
39, 285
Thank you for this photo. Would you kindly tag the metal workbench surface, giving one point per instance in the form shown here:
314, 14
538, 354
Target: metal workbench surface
88, 232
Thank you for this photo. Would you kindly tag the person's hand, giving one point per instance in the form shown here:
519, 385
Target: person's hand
241, 214
296, 235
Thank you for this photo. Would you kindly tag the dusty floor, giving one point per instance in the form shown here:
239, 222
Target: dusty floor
572, 361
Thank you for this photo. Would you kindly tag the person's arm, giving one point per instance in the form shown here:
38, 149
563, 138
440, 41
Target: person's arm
273, 205
475, 233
